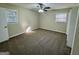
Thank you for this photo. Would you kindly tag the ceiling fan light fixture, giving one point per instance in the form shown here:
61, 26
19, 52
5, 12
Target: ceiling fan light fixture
40, 10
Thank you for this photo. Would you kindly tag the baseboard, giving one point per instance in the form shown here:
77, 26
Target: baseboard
54, 30
34, 29
3, 41
16, 35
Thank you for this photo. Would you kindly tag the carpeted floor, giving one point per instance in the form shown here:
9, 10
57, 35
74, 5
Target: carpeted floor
39, 42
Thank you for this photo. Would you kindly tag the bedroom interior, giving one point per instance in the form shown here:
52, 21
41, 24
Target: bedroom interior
39, 28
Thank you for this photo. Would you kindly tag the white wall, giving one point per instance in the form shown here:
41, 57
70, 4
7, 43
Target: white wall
28, 18
75, 49
48, 21
71, 26
25, 18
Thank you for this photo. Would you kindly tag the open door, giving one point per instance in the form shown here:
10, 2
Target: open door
3, 25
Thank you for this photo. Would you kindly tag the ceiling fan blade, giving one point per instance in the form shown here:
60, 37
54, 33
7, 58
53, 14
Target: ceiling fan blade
45, 10
40, 3
42, 6
47, 7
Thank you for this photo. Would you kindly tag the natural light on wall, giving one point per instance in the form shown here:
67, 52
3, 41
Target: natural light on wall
28, 29
61, 17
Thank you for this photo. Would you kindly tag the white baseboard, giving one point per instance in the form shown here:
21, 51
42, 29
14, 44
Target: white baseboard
19, 34
59, 31
54, 30
16, 34
41, 28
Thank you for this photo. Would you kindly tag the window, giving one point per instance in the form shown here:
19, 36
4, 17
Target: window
61, 17
12, 16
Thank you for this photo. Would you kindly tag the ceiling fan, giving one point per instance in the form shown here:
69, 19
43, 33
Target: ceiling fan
43, 7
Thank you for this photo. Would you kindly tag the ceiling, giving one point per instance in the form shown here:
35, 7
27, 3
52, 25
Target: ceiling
33, 6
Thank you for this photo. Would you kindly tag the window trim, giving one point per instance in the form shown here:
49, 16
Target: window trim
13, 22
61, 18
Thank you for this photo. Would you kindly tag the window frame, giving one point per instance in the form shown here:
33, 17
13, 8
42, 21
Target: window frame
8, 15
64, 18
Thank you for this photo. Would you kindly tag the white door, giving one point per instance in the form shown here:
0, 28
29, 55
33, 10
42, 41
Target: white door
3, 25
